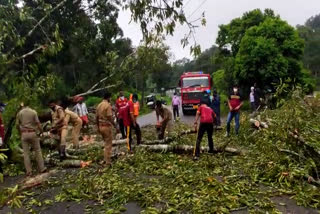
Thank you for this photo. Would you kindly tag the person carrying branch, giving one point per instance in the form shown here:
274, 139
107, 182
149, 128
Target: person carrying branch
235, 103
59, 127
105, 122
28, 124
166, 116
207, 116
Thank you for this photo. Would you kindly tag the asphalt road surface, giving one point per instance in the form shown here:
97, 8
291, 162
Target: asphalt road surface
151, 119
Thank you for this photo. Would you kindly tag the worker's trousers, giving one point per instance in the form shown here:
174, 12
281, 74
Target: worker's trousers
138, 134
31, 139
204, 127
106, 132
76, 132
166, 125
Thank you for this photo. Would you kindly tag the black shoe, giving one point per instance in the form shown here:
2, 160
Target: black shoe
62, 153
211, 151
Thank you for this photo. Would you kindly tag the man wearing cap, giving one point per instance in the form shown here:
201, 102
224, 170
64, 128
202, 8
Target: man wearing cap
104, 122
59, 127
27, 125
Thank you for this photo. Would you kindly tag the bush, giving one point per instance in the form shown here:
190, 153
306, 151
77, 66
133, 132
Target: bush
93, 101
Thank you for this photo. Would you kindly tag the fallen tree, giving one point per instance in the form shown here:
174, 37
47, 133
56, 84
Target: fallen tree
186, 149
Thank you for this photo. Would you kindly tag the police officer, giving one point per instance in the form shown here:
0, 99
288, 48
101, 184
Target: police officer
166, 116
59, 127
104, 122
27, 125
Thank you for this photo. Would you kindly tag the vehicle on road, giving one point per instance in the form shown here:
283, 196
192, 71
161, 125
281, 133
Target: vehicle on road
192, 85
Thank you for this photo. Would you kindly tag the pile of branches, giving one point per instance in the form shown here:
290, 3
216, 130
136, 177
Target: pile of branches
286, 142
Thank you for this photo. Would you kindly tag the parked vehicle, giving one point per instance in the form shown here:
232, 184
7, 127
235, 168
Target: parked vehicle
192, 85
151, 101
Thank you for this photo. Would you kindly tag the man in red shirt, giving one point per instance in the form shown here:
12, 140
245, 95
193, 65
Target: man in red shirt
207, 116
121, 104
235, 103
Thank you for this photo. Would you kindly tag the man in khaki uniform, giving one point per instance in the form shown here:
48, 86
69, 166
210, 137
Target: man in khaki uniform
166, 116
76, 123
59, 127
104, 122
27, 125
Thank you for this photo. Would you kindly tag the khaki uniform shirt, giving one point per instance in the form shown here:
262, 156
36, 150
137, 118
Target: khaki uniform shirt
27, 119
56, 115
165, 114
71, 117
104, 110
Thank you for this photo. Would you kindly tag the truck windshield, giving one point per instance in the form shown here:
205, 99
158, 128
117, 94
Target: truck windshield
188, 82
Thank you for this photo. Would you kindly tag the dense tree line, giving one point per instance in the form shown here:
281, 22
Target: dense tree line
261, 48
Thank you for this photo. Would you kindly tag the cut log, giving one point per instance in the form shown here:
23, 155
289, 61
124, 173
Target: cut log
37, 180
168, 140
184, 149
258, 124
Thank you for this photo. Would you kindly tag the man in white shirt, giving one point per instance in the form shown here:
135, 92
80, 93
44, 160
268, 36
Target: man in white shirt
81, 109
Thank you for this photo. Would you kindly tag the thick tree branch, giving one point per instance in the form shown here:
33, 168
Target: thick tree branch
97, 90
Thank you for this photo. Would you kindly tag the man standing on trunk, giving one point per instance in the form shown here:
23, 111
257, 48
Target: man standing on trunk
59, 127
105, 122
27, 125
77, 125
175, 106
166, 116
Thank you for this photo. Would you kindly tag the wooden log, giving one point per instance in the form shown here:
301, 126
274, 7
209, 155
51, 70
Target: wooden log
168, 140
37, 180
258, 124
184, 149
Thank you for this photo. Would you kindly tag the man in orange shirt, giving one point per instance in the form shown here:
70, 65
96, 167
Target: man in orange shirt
133, 109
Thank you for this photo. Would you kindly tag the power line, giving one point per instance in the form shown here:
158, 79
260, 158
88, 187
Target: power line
186, 3
202, 3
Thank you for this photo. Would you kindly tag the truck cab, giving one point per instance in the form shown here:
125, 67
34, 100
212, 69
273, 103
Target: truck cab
193, 85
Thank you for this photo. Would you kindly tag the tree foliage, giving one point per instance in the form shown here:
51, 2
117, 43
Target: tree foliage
260, 48
310, 32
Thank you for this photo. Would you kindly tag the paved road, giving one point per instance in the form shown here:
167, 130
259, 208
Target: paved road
150, 119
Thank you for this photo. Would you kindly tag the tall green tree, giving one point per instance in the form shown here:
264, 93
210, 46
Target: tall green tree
310, 32
260, 48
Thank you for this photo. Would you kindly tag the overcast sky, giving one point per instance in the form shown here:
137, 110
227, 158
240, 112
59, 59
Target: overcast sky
222, 12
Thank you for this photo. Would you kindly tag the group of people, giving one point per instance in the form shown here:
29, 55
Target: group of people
126, 113
30, 129
209, 114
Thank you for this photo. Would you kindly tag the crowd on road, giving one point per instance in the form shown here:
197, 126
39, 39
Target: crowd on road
123, 118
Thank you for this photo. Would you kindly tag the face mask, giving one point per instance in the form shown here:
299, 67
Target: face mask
122, 98
235, 90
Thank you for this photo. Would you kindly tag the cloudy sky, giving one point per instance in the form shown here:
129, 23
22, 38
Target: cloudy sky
222, 12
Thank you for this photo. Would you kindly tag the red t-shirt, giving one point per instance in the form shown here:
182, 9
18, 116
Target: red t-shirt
120, 105
126, 115
207, 115
234, 100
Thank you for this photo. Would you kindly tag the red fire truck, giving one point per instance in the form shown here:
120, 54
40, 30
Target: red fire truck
193, 84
